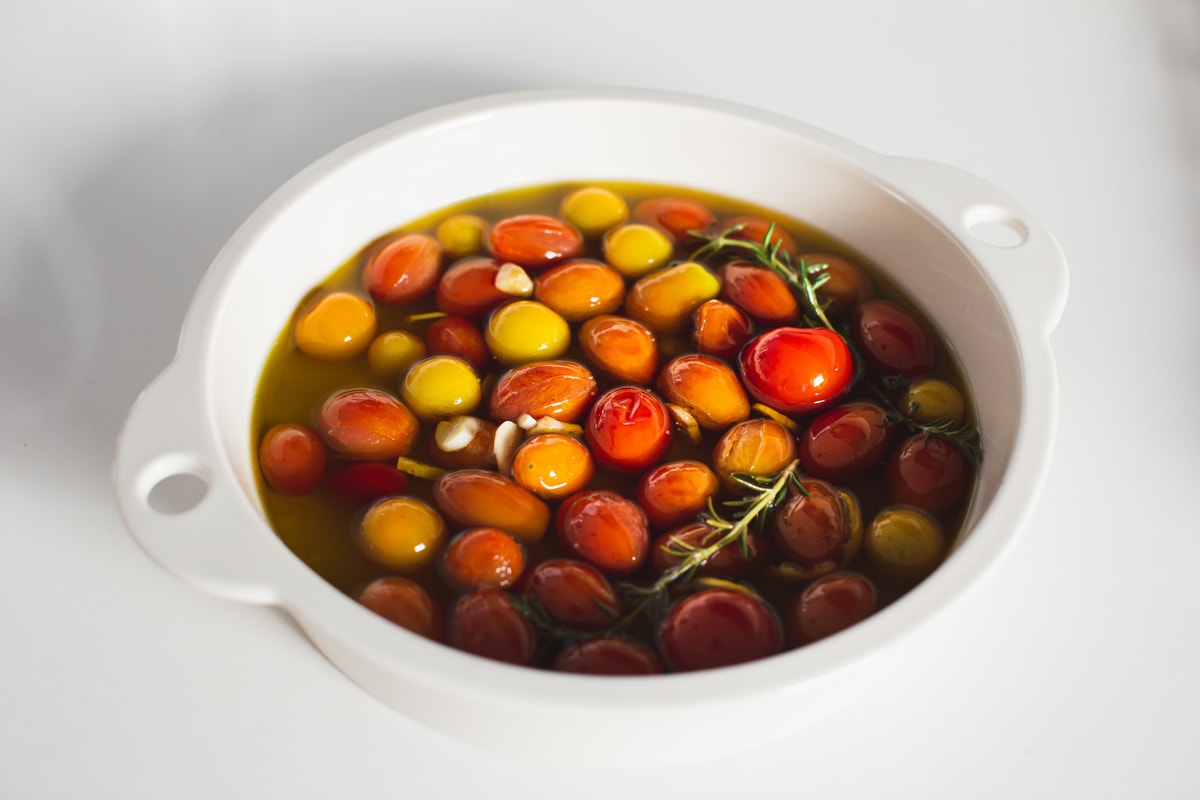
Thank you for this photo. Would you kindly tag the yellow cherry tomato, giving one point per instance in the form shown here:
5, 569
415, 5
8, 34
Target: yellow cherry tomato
401, 533
905, 542
461, 235
593, 209
932, 400
337, 326
526, 331
635, 249
440, 386
393, 352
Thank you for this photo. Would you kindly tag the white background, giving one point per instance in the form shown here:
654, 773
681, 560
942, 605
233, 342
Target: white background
134, 137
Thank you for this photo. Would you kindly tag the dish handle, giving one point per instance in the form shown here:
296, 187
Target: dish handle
181, 501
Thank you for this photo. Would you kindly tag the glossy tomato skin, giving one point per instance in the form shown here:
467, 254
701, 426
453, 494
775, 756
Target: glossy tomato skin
604, 529
403, 269
407, 604
367, 481
572, 593
928, 472
797, 370
292, 458
828, 605
846, 442
458, 336
629, 428
487, 624
367, 425
535, 241
892, 339
468, 288
675, 492
718, 627
608, 655
728, 562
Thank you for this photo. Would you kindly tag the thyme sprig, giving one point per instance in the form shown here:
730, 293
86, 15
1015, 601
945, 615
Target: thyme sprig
804, 278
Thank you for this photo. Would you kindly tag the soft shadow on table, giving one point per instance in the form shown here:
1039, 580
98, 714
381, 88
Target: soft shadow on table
100, 277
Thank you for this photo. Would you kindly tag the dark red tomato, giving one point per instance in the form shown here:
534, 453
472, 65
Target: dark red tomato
367, 481
892, 339
366, 424
754, 229
572, 593
407, 604
468, 288
828, 605
720, 329
678, 216
534, 241
675, 492
404, 269
717, 628
458, 336
846, 284
608, 655
727, 562
604, 529
846, 442
486, 623
482, 558
819, 530
797, 370
292, 459
759, 292
629, 428
928, 472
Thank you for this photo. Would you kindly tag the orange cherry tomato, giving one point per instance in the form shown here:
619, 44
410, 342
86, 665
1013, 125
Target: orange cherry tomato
675, 492
404, 269
759, 292
580, 289
552, 465
535, 241
755, 230
720, 329
482, 558
621, 347
292, 458
366, 424
604, 529
678, 216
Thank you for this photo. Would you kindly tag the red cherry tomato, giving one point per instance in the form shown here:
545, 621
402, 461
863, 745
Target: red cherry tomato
629, 428
468, 288
366, 424
572, 593
534, 240
486, 623
718, 628
482, 558
846, 442
817, 529
928, 472
828, 605
608, 655
678, 216
404, 269
458, 336
292, 459
407, 604
604, 529
367, 481
891, 338
728, 562
797, 370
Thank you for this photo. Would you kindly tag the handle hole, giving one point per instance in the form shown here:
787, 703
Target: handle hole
996, 226
177, 494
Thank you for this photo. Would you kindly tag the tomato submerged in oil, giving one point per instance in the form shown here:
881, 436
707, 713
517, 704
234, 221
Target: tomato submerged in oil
614, 428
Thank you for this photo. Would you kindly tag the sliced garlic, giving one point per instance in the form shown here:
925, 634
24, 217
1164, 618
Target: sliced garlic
685, 422
513, 279
526, 422
456, 433
508, 436
552, 425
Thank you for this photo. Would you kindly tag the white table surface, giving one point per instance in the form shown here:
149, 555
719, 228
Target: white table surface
135, 135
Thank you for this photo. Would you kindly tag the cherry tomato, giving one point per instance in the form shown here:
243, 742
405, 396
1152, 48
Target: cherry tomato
892, 339
608, 655
404, 269
759, 292
846, 284
458, 336
707, 388
728, 562
604, 529
818, 531
401, 533
534, 241
558, 389
572, 593
468, 288
675, 492
829, 605
928, 472
407, 604
905, 543
753, 447
628, 428
479, 498
335, 327
797, 370
678, 216
665, 299
620, 347
754, 229
365, 481
718, 627
366, 424
486, 623
482, 558
580, 289
552, 465
720, 329
292, 458
846, 442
